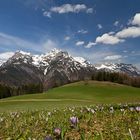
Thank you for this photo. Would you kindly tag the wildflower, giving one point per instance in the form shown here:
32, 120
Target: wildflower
72, 110
131, 108
74, 120
13, 114
1, 119
88, 109
49, 113
138, 108
92, 111
81, 110
57, 132
111, 109
48, 138
47, 119
122, 110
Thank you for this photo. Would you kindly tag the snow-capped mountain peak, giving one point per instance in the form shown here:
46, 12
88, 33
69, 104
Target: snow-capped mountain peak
53, 52
119, 67
106, 66
82, 61
23, 52
62, 59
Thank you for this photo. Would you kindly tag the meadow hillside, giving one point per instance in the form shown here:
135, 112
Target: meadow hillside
75, 94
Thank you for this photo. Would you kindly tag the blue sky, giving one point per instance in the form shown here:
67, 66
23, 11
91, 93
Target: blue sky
98, 30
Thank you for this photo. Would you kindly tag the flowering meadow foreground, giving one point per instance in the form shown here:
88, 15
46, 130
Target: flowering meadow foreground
117, 122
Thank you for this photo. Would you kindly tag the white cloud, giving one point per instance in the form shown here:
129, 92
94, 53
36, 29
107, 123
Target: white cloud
113, 57
129, 32
68, 8
90, 44
89, 10
47, 14
99, 26
9, 40
5, 56
136, 19
80, 43
113, 38
49, 45
82, 31
116, 23
67, 38
125, 51
107, 38
21, 44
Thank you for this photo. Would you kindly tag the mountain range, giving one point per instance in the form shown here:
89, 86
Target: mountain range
56, 68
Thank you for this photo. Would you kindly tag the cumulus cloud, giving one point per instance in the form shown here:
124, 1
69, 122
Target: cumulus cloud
89, 10
47, 14
132, 31
67, 38
136, 19
107, 38
80, 43
99, 26
129, 32
116, 23
113, 57
113, 38
90, 44
68, 8
82, 31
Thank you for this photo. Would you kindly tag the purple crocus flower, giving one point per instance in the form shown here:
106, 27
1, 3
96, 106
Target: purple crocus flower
57, 131
48, 138
74, 120
138, 108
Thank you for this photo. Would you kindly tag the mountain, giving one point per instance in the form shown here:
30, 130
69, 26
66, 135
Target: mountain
119, 67
59, 68
25, 73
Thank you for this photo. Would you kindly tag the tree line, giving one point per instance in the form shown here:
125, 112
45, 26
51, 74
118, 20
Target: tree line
116, 77
7, 91
121, 78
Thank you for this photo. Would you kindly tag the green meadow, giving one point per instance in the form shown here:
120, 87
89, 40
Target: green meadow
75, 94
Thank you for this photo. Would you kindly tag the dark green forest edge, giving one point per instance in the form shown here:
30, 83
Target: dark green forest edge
121, 78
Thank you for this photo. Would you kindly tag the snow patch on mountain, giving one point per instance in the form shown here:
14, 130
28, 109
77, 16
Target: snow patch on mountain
23, 52
39, 60
108, 66
82, 61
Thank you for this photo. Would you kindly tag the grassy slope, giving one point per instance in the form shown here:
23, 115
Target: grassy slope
74, 94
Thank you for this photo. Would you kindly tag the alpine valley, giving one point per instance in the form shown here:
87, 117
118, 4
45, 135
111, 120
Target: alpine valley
37, 73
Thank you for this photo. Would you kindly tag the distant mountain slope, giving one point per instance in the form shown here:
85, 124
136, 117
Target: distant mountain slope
119, 67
